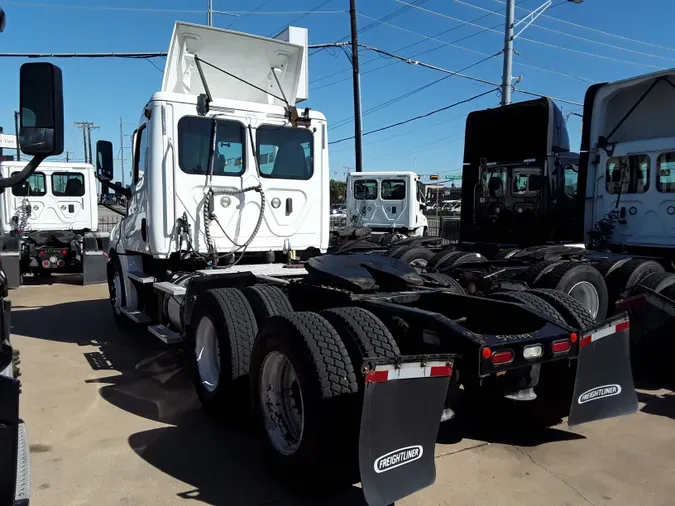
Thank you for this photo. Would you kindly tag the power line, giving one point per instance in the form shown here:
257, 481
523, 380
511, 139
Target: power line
593, 41
376, 22
256, 8
409, 93
476, 79
415, 118
563, 48
102, 7
608, 34
311, 11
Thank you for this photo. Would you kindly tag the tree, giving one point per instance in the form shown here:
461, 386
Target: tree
338, 191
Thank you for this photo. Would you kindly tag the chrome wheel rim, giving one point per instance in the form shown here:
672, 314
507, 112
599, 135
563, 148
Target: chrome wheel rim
587, 295
207, 353
419, 264
282, 403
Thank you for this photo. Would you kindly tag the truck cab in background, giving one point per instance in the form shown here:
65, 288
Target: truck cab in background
386, 202
48, 223
519, 177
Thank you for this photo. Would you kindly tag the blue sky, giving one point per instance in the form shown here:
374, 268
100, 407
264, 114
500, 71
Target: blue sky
104, 90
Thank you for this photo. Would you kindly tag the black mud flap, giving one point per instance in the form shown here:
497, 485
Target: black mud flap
9, 437
402, 409
94, 267
604, 384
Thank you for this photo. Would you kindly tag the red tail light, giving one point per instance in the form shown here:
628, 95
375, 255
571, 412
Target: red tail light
560, 346
45, 263
64, 252
502, 357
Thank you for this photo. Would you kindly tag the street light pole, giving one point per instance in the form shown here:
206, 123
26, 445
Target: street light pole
209, 14
356, 78
509, 37
508, 51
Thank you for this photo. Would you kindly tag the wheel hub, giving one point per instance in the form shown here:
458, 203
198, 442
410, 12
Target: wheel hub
115, 298
587, 295
207, 353
282, 403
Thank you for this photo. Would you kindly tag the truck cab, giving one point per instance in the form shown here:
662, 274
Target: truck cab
385, 202
217, 160
58, 196
519, 176
628, 155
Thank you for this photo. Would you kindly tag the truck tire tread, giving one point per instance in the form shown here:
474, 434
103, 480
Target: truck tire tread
571, 310
505, 253
534, 273
236, 329
447, 281
266, 301
415, 253
629, 274
451, 258
530, 300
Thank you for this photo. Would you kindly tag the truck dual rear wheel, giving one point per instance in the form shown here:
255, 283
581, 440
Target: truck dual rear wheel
417, 256
628, 275
581, 281
530, 300
363, 333
222, 335
303, 383
574, 314
267, 301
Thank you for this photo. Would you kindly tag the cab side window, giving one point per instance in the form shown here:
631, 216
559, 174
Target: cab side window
627, 174
141, 153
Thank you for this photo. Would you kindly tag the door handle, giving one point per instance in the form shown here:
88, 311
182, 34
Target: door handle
289, 206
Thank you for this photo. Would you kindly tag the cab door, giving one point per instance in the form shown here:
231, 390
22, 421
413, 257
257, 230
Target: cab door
134, 227
394, 204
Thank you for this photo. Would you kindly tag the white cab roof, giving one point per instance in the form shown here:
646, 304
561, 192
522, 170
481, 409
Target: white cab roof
392, 173
249, 57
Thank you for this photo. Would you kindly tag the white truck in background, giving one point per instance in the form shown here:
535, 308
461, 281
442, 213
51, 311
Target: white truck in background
386, 202
49, 223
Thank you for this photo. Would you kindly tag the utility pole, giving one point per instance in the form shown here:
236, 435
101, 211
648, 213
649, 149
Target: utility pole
209, 14
509, 36
508, 51
83, 125
356, 78
90, 127
16, 130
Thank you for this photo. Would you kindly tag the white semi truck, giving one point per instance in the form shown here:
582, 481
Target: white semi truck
387, 202
49, 223
229, 177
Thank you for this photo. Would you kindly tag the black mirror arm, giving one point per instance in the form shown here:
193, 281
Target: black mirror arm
25, 173
117, 189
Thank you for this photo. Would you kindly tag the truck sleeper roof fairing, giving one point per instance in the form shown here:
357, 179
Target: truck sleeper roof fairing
532, 130
249, 57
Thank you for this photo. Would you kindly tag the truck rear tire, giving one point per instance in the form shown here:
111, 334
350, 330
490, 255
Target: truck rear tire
569, 308
581, 281
417, 256
266, 301
656, 281
628, 275
534, 273
451, 258
530, 300
364, 335
505, 253
606, 266
447, 281
303, 386
222, 337
395, 251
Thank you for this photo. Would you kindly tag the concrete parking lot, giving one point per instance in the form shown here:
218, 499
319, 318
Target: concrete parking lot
112, 420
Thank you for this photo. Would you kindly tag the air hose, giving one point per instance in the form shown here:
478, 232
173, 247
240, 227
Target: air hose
209, 216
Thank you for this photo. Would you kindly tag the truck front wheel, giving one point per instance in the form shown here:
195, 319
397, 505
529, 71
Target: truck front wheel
118, 298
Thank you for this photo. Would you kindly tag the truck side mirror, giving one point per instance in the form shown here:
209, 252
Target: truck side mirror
3, 20
41, 106
104, 160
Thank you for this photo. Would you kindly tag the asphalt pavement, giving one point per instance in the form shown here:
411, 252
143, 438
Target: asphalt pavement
113, 420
